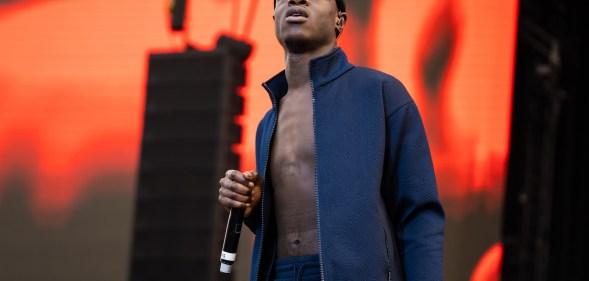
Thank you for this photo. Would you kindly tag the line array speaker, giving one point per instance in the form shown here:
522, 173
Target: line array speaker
192, 99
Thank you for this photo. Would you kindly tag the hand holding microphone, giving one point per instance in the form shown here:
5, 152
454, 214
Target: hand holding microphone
239, 193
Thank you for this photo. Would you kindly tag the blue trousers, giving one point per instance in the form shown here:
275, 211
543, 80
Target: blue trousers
303, 268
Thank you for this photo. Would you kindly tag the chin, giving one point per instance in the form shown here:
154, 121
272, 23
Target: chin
296, 44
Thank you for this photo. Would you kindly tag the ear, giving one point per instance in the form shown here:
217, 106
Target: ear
340, 22
342, 17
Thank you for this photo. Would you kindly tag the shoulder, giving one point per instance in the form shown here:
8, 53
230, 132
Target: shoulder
393, 91
369, 76
372, 74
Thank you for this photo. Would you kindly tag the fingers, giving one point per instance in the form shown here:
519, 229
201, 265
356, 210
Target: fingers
237, 176
236, 189
225, 192
251, 175
230, 203
233, 186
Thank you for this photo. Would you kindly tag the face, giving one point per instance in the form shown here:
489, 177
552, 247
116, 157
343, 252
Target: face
305, 25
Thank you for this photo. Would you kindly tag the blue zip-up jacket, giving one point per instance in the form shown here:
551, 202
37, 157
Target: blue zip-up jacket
378, 212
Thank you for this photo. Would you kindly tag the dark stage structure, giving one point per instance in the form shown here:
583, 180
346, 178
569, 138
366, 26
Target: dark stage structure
546, 215
189, 128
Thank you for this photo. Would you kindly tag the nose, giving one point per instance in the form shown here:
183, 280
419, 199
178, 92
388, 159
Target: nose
297, 2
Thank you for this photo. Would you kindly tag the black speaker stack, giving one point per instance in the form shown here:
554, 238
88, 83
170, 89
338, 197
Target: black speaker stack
192, 99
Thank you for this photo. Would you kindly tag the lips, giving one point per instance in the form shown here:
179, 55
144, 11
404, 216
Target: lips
297, 12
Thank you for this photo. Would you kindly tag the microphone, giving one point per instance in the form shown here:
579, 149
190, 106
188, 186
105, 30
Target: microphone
231, 240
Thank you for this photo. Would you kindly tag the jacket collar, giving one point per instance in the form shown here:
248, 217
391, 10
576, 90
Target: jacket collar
323, 70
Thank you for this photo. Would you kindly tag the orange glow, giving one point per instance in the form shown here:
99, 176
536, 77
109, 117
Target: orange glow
473, 114
72, 76
71, 79
489, 267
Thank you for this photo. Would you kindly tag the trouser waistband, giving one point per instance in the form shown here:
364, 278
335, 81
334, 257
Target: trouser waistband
302, 268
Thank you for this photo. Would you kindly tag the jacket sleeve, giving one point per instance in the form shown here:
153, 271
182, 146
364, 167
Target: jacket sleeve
417, 215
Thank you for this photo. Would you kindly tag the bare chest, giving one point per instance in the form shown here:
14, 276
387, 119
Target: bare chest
292, 169
293, 144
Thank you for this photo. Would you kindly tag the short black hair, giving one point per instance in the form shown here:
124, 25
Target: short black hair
341, 5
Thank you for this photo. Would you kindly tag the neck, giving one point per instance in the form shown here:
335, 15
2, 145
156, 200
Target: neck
297, 67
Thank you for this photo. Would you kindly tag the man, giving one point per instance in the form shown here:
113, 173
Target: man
345, 186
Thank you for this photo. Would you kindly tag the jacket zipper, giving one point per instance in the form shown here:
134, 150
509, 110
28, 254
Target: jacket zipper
316, 184
265, 174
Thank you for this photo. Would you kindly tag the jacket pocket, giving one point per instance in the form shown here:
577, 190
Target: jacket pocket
389, 262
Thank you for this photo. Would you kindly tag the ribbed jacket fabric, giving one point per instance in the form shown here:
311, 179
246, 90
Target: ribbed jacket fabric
379, 215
